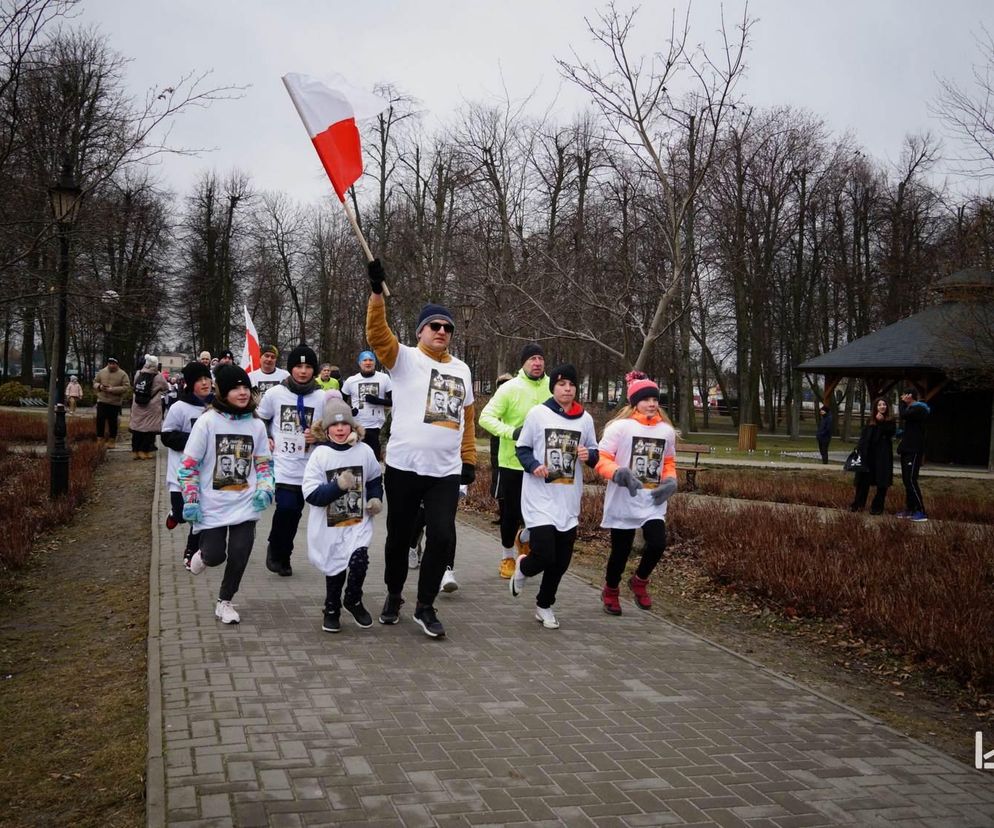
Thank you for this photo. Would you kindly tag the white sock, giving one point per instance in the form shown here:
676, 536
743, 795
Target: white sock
525, 535
509, 553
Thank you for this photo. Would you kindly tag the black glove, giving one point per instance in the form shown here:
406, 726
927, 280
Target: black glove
372, 399
468, 473
517, 434
376, 276
355, 412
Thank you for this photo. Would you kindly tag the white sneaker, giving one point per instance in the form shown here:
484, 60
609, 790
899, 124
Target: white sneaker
413, 558
547, 618
226, 612
517, 581
449, 580
197, 564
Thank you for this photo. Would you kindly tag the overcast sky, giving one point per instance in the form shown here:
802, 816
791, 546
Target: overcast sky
866, 66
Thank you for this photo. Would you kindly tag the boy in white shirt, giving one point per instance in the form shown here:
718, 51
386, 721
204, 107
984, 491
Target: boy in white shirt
370, 393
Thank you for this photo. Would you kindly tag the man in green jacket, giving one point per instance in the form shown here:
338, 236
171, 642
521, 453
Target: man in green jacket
503, 417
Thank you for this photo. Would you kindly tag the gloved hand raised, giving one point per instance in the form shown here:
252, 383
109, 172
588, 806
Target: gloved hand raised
377, 276
624, 477
664, 491
192, 513
261, 498
345, 480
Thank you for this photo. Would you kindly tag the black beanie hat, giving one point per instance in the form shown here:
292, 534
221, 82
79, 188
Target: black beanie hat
564, 371
226, 377
433, 313
193, 371
530, 349
302, 354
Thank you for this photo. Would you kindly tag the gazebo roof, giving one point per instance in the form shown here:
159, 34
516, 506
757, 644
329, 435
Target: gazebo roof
942, 338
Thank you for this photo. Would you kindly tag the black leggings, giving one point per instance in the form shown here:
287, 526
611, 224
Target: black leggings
863, 483
143, 440
654, 532
176, 502
352, 578
510, 516
238, 539
286, 518
406, 492
372, 439
551, 553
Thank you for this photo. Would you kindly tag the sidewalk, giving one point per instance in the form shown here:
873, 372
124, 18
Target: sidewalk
606, 721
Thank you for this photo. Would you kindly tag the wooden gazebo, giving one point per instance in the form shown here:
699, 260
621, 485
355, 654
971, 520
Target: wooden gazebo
947, 353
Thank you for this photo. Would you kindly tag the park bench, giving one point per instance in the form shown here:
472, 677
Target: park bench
29, 402
697, 449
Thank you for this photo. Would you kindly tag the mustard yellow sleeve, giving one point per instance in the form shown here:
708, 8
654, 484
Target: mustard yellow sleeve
468, 447
381, 339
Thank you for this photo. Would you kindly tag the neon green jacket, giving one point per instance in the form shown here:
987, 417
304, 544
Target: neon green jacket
507, 409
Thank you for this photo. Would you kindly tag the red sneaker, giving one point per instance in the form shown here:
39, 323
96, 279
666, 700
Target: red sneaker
610, 597
171, 522
642, 597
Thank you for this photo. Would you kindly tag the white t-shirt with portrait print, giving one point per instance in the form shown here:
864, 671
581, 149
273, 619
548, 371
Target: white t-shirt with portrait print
290, 451
555, 441
429, 400
335, 531
225, 449
263, 381
643, 449
357, 387
180, 417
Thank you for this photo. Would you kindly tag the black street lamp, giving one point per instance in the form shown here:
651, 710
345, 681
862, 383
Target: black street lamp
64, 198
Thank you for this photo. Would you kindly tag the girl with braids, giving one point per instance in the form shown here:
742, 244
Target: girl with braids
637, 456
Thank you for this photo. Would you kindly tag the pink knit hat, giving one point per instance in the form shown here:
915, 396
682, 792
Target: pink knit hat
640, 387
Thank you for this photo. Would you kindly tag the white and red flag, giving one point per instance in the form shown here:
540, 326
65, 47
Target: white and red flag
329, 114
252, 354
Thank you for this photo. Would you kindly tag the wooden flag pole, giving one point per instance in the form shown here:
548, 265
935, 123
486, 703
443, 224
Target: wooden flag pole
362, 240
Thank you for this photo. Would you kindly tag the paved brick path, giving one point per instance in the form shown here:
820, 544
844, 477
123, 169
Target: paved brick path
605, 721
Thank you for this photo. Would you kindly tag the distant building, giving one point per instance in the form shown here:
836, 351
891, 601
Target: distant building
171, 362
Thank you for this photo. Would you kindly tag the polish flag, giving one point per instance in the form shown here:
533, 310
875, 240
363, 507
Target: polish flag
329, 114
252, 354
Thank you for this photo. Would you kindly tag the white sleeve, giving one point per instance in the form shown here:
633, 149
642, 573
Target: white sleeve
262, 440
347, 386
590, 432
196, 445
174, 419
314, 473
371, 466
386, 386
265, 411
609, 440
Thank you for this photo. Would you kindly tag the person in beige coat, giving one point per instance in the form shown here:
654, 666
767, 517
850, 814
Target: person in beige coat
110, 383
146, 409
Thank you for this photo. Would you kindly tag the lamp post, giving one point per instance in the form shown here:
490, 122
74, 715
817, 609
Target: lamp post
64, 198
466, 312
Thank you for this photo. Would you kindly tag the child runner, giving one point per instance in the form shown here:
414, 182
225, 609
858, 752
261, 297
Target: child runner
344, 487
176, 430
553, 437
289, 409
370, 393
637, 452
226, 476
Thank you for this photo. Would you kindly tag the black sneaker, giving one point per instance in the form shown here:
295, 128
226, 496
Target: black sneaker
360, 614
332, 621
272, 564
285, 570
391, 609
428, 621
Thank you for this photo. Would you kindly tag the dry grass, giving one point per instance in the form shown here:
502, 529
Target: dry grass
24, 491
18, 427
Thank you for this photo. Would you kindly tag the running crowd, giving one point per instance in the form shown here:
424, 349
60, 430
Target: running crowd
240, 443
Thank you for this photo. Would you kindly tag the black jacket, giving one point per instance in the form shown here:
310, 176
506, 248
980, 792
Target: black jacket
912, 434
877, 452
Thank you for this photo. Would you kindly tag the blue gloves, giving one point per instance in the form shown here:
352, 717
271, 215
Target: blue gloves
192, 513
664, 491
261, 498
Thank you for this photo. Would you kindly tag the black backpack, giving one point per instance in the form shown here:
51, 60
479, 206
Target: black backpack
143, 389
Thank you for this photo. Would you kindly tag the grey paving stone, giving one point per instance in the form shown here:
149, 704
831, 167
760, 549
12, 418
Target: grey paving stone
606, 721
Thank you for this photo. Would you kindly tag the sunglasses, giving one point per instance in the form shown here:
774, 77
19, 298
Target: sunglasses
441, 326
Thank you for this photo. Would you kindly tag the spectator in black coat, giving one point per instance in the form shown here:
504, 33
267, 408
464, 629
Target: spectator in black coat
911, 449
824, 432
877, 458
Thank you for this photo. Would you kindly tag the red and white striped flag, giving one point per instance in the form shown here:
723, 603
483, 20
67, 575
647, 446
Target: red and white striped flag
252, 354
329, 114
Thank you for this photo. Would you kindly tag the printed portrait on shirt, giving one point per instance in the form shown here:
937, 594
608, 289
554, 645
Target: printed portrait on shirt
446, 397
560, 454
232, 462
290, 439
646, 462
264, 385
364, 389
347, 509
